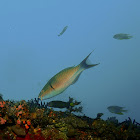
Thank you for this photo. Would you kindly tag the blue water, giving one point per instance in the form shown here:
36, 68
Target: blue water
31, 51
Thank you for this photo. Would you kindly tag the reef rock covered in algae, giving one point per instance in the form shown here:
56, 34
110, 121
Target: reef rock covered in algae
21, 120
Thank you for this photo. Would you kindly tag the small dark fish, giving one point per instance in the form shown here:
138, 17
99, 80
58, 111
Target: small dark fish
116, 110
64, 29
122, 36
58, 104
62, 104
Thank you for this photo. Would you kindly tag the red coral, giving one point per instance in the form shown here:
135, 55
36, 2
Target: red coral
31, 137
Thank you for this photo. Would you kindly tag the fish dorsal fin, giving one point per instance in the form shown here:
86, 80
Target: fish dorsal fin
75, 80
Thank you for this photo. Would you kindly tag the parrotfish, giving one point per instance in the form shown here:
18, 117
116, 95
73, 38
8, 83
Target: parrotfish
62, 80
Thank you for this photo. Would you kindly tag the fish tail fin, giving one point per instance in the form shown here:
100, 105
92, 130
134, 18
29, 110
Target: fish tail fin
120, 113
72, 104
125, 110
84, 64
130, 37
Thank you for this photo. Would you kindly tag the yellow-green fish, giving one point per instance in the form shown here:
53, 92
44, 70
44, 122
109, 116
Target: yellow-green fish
116, 109
62, 80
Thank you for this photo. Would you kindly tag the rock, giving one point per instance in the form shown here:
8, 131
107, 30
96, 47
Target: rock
19, 131
71, 131
54, 134
76, 122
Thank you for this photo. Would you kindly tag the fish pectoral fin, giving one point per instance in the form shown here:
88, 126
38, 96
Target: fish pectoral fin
75, 80
52, 86
120, 113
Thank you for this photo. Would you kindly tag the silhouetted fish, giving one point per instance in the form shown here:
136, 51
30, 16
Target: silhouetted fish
116, 109
122, 36
64, 29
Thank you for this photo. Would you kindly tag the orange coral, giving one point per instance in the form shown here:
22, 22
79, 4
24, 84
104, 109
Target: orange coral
2, 121
24, 122
20, 107
28, 122
20, 112
2, 104
26, 126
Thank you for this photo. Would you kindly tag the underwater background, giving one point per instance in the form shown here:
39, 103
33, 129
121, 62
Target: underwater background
31, 52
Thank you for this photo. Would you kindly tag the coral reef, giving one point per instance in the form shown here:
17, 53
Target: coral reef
32, 120
1, 99
113, 120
